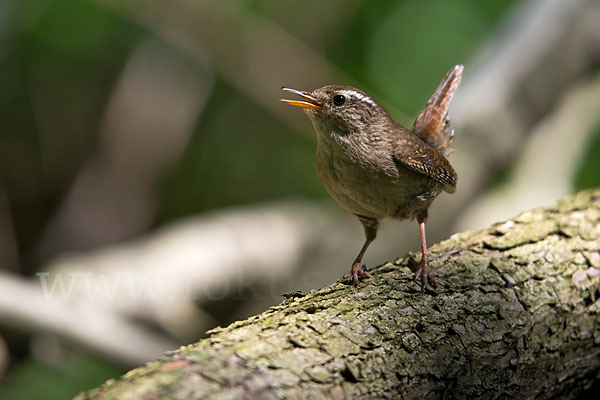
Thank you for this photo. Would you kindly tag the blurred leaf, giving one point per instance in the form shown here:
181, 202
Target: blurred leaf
79, 28
32, 380
588, 175
416, 44
55, 75
238, 154
402, 49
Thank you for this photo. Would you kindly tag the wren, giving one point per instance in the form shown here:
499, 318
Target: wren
376, 168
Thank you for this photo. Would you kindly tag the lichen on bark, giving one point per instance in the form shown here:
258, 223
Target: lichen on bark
516, 314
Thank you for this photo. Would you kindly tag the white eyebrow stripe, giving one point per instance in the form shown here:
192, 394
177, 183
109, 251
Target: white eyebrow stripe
362, 97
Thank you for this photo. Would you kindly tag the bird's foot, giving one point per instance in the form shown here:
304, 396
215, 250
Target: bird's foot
357, 271
422, 274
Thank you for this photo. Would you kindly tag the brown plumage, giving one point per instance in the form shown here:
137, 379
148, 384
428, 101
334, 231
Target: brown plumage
376, 168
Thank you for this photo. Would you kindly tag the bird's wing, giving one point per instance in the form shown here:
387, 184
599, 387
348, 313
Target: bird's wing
432, 125
412, 153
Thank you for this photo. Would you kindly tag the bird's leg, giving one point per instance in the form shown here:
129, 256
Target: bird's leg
370, 226
423, 270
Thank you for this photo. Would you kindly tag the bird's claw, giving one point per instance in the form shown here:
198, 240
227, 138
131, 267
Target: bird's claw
357, 271
422, 274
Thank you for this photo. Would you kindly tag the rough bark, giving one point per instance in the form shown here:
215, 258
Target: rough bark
516, 315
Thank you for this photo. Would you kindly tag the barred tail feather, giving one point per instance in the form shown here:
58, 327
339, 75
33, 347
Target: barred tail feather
432, 125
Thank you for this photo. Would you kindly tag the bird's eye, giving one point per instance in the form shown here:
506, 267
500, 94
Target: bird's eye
338, 100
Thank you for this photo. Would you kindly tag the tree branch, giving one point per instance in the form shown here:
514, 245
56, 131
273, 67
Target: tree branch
517, 311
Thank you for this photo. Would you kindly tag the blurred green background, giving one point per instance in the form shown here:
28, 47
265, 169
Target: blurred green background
67, 68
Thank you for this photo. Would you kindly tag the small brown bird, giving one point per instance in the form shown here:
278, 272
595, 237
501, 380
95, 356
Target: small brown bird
376, 168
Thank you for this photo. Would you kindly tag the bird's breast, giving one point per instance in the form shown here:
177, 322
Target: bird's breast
371, 187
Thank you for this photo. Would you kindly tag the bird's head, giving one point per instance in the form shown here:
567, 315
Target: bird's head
342, 109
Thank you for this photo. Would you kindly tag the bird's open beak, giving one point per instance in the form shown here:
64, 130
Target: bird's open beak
312, 102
